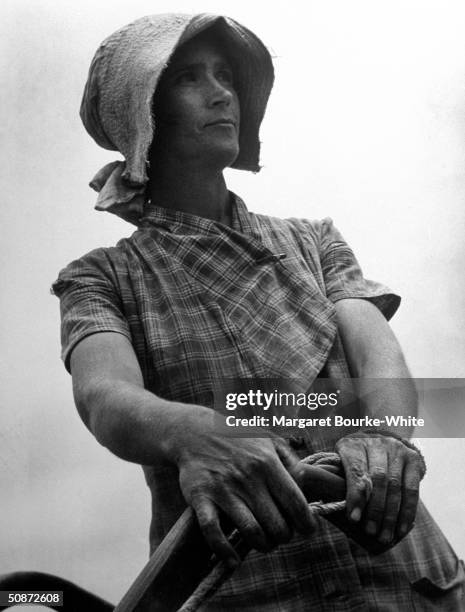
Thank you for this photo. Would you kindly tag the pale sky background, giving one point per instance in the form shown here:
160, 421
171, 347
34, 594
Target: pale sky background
366, 124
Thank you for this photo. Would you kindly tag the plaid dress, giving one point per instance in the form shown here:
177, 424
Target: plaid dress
201, 301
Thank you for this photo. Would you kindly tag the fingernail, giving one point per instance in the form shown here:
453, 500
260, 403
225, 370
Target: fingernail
371, 528
403, 529
385, 536
356, 515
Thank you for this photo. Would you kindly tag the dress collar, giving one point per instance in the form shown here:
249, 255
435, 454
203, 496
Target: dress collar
241, 220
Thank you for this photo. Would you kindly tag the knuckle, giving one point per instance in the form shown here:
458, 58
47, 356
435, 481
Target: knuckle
281, 444
404, 453
408, 517
411, 493
409, 507
357, 470
197, 490
411, 454
396, 465
394, 484
235, 475
201, 486
416, 461
409, 513
375, 512
208, 524
359, 488
378, 475
257, 463
412, 478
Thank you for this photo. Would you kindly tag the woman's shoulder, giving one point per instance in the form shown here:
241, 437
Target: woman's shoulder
103, 263
315, 231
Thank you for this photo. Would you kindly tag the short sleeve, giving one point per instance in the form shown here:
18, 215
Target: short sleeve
343, 277
89, 303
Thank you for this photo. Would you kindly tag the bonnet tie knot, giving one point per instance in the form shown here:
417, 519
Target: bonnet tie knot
116, 194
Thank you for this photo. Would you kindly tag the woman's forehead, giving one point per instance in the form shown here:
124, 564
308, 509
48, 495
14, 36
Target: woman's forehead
201, 48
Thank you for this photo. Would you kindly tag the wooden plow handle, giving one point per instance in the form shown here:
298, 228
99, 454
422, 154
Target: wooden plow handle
183, 559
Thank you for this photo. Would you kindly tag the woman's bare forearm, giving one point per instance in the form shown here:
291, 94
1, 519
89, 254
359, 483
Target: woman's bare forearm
377, 362
130, 421
133, 423
247, 479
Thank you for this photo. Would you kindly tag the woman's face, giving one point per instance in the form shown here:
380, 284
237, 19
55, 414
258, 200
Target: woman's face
196, 106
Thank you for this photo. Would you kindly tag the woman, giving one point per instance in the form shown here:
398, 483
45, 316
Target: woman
206, 290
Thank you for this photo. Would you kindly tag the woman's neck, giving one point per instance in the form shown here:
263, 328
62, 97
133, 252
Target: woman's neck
192, 192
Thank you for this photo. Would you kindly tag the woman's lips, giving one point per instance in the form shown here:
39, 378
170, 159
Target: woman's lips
221, 123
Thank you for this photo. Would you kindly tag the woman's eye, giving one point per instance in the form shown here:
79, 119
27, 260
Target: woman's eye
226, 76
188, 76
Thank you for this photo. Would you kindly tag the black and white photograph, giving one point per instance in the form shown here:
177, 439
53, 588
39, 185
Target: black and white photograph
233, 315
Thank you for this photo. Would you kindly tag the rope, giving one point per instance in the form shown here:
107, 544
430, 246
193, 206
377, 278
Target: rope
323, 458
221, 572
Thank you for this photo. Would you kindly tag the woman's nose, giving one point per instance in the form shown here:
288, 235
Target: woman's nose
220, 93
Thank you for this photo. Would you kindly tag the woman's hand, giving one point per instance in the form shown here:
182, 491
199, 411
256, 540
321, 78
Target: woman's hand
247, 480
382, 477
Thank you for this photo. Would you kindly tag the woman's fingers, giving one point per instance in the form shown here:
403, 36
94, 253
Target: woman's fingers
262, 529
378, 473
394, 471
358, 483
412, 475
290, 501
393, 502
260, 524
386, 525
209, 523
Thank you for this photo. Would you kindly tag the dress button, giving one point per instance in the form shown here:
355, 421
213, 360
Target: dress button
296, 442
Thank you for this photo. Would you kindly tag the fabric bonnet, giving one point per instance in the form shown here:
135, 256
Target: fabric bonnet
116, 107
